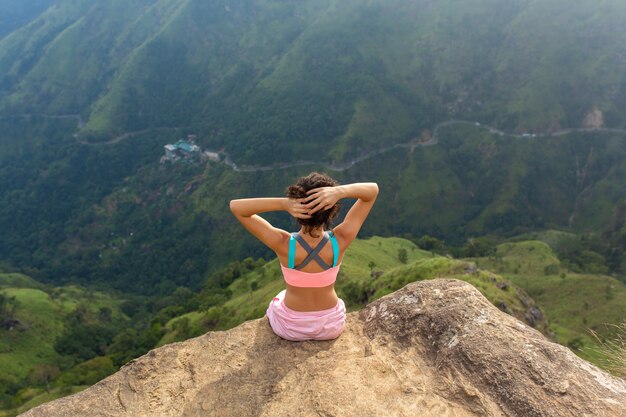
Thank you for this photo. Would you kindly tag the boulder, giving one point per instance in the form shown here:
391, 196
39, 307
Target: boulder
433, 348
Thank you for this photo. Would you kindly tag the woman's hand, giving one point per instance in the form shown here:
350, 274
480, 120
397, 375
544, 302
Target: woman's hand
322, 198
296, 207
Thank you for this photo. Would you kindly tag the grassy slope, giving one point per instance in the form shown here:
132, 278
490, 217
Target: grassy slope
247, 304
41, 311
574, 303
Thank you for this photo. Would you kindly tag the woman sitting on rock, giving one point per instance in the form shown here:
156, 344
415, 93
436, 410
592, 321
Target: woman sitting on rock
309, 308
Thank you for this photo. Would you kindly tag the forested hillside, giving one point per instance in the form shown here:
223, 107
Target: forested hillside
269, 80
114, 216
90, 92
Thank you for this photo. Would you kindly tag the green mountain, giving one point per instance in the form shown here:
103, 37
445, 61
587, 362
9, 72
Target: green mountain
112, 214
273, 82
278, 82
270, 81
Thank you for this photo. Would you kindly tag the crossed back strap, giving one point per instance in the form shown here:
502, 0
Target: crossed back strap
312, 254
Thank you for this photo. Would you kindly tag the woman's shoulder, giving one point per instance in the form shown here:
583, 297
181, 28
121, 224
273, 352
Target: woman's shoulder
342, 240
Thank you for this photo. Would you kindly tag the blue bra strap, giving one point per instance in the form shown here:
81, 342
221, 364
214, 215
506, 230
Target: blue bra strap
292, 252
333, 241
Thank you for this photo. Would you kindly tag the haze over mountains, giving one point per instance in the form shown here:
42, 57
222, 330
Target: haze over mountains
269, 80
16, 14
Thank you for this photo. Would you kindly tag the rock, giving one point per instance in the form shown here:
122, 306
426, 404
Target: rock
594, 119
376, 274
433, 348
504, 286
504, 307
12, 324
533, 315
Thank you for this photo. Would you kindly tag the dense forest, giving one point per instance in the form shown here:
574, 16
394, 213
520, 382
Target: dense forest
115, 217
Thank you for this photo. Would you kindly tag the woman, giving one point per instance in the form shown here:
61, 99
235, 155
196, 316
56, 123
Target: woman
309, 308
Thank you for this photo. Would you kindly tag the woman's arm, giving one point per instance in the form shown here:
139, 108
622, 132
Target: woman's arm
326, 197
246, 209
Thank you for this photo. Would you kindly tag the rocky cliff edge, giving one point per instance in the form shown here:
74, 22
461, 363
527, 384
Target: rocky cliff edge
433, 348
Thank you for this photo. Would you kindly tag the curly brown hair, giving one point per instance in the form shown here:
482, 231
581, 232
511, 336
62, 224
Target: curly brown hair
299, 189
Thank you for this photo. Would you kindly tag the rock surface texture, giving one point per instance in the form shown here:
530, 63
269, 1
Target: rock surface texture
433, 348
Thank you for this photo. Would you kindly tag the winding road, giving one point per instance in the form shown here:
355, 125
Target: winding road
412, 144
337, 166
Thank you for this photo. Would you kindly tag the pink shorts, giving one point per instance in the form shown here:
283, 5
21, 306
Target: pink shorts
305, 325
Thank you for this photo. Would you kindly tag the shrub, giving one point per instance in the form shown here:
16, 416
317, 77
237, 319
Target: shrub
43, 374
430, 243
89, 372
478, 247
552, 269
402, 255
212, 318
84, 341
356, 292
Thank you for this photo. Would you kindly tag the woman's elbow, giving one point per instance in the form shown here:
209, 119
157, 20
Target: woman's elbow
233, 206
374, 190
238, 208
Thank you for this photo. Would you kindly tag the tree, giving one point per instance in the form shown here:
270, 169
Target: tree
430, 243
42, 375
182, 328
89, 372
478, 247
84, 341
8, 306
402, 255
105, 314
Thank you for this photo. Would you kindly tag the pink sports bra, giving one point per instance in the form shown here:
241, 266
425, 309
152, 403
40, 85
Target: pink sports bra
293, 276
297, 278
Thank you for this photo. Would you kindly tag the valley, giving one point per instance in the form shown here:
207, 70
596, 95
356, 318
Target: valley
495, 131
